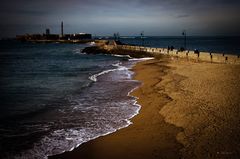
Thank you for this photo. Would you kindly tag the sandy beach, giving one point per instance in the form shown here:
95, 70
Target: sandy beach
189, 110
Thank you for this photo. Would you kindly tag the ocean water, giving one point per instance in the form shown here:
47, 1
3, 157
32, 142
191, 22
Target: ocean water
54, 98
219, 44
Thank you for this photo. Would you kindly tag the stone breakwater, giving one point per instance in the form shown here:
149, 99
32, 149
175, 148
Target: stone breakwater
191, 55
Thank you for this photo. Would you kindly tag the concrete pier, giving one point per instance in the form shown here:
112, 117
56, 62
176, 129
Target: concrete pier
188, 54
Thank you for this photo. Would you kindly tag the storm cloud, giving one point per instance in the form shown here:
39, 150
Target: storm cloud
103, 17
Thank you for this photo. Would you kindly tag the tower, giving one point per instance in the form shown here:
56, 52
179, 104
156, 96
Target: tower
62, 29
47, 31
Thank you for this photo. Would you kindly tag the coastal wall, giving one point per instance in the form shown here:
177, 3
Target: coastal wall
201, 56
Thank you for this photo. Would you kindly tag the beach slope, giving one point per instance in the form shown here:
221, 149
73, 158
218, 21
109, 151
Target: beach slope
149, 136
189, 110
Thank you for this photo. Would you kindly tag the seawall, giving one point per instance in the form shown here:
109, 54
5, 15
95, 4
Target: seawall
201, 56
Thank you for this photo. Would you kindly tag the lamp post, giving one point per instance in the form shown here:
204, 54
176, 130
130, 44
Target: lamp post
184, 33
142, 37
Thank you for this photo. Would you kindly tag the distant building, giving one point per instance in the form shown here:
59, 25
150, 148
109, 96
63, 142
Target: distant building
47, 32
49, 36
52, 37
80, 36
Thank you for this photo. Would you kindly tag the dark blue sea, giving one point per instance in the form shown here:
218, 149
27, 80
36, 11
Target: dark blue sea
53, 97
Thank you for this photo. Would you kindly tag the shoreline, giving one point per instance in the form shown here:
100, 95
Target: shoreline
114, 140
118, 66
188, 109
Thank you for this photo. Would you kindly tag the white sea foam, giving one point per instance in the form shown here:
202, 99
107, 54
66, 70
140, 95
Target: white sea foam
118, 65
92, 43
141, 59
63, 140
122, 56
94, 77
77, 51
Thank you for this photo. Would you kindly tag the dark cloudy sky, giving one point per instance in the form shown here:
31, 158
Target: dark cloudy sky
128, 17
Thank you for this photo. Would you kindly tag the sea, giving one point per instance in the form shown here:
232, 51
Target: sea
54, 97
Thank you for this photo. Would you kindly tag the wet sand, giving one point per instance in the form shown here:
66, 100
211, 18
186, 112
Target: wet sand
189, 110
